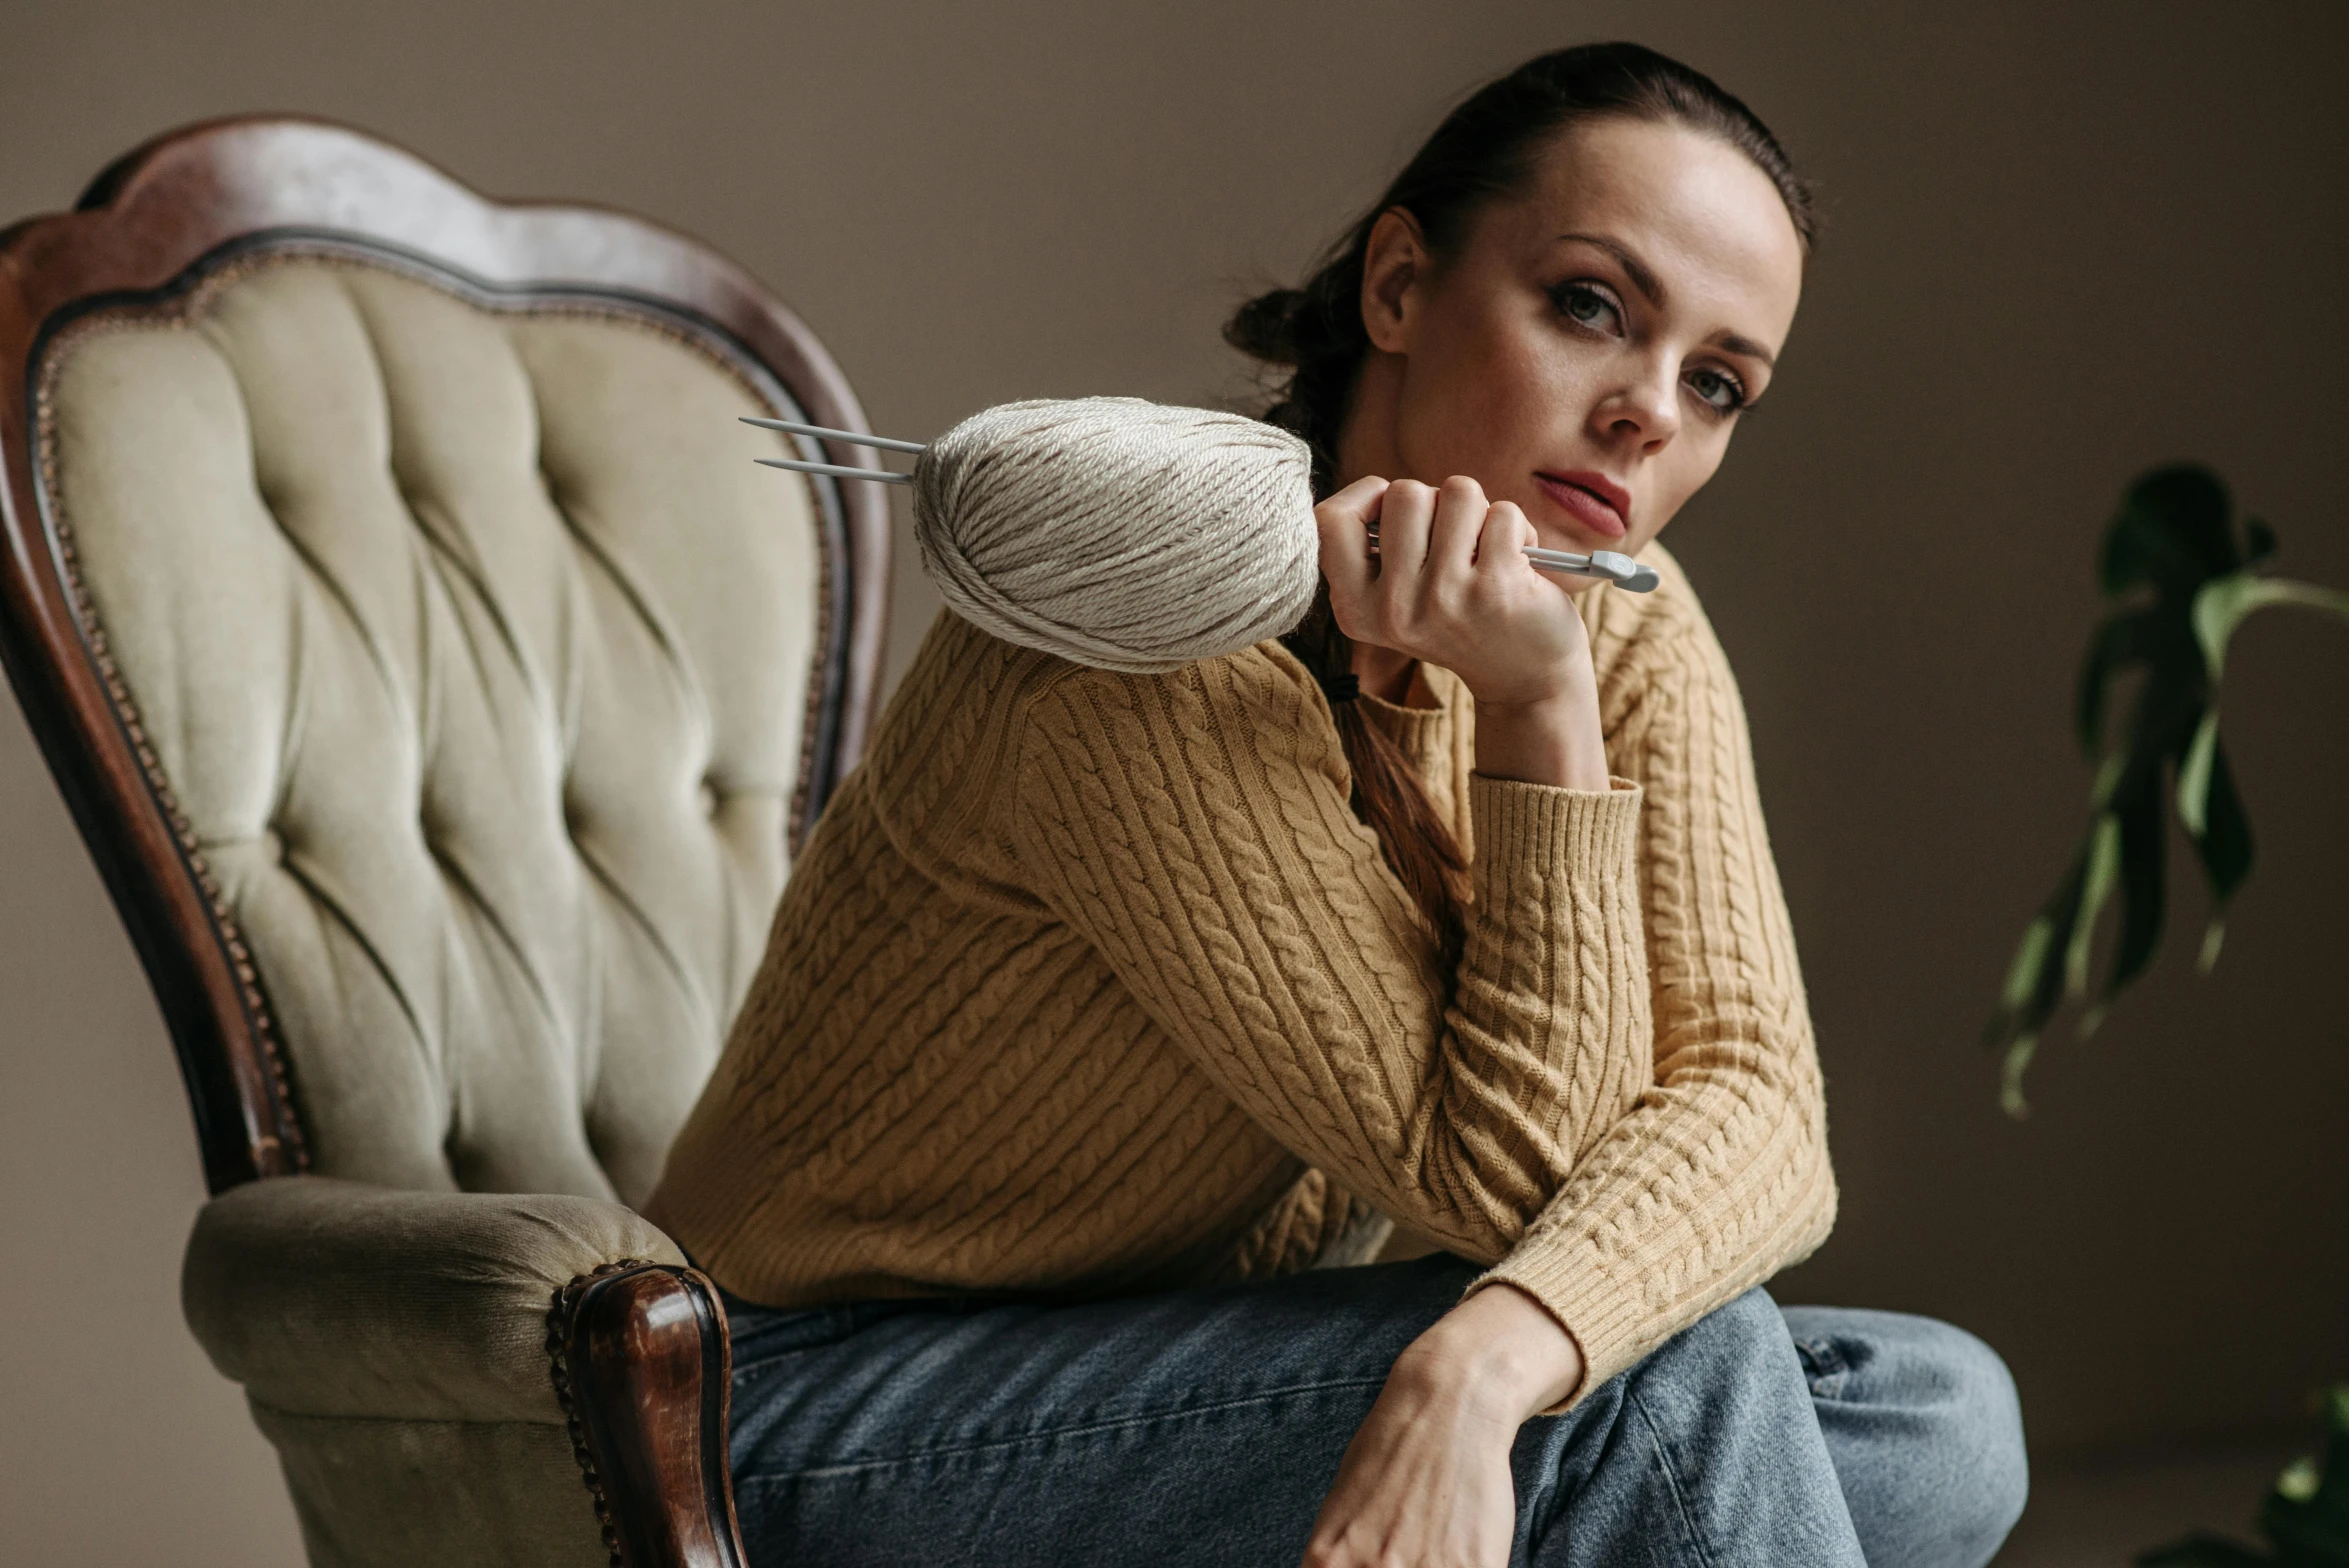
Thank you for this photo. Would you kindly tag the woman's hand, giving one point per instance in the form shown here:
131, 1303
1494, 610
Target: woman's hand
1450, 584
1426, 1482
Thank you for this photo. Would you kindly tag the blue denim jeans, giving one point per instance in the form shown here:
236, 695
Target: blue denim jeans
1205, 1427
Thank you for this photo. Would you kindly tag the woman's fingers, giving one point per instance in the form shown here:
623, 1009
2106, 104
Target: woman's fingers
1422, 1483
1447, 581
1460, 513
1404, 518
1368, 581
1347, 561
1344, 522
1500, 544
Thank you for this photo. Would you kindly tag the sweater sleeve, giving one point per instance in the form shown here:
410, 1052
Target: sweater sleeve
1194, 829
1718, 1177
1435, 730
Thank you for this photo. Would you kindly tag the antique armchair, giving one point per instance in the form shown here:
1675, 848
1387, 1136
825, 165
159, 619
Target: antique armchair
442, 692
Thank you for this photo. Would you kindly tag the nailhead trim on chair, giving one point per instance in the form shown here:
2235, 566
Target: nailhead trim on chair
558, 1323
289, 1124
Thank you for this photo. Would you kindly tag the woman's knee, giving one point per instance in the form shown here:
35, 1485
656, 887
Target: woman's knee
1925, 1427
1706, 1449
1980, 1421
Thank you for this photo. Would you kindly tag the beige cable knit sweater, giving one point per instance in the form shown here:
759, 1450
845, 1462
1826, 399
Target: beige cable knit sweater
1092, 983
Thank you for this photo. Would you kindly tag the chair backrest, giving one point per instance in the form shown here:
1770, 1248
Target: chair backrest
436, 681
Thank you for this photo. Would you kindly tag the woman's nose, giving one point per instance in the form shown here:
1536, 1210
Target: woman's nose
1644, 411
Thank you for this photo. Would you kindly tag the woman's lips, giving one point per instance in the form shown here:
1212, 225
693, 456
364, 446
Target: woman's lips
1594, 500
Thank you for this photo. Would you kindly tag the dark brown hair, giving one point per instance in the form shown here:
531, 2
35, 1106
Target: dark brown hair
1485, 150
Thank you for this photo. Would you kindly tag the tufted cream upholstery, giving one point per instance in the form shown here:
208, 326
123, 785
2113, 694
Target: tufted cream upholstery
477, 654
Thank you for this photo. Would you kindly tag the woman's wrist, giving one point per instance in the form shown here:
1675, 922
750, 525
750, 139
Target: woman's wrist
1385, 673
1498, 1354
1555, 739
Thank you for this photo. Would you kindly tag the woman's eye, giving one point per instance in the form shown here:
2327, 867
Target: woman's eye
1589, 306
1717, 390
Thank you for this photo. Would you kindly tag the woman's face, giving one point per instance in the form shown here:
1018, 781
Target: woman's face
1586, 348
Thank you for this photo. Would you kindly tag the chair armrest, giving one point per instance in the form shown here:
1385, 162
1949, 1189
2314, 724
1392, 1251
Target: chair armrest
644, 1367
338, 1298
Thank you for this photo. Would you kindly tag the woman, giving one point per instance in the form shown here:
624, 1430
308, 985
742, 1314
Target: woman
1103, 1008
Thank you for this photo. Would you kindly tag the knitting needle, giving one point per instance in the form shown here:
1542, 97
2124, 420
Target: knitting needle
1608, 564
793, 427
1611, 565
837, 470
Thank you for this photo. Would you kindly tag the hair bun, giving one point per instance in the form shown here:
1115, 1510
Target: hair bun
1266, 327
1119, 533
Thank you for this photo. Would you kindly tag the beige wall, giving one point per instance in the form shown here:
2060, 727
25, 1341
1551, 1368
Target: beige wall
2066, 242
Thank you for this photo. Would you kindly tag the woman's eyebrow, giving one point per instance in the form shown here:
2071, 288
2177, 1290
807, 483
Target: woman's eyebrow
1642, 276
1747, 346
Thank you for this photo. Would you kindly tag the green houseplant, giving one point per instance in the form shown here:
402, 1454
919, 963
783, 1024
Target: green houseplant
2305, 1519
2179, 578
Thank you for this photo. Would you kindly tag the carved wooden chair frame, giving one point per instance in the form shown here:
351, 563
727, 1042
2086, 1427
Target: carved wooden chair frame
638, 1351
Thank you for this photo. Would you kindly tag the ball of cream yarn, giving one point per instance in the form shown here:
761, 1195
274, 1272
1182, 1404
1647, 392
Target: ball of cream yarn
1119, 533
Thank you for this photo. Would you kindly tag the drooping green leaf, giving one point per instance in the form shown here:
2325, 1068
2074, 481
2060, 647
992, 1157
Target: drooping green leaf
2109, 775
2011, 1068
2034, 985
2144, 888
2224, 843
2104, 870
2035, 980
2221, 605
2194, 774
2022, 976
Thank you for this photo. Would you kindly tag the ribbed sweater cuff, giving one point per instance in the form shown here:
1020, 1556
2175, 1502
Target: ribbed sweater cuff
1545, 830
1607, 1317
1422, 735
1403, 723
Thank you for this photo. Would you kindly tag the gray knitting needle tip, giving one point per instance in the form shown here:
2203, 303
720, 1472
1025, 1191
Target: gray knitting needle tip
1615, 567
1624, 572
836, 470
793, 427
